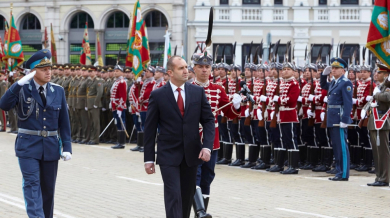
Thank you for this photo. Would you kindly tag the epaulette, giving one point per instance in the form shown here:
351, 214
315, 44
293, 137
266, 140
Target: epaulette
55, 84
345, 79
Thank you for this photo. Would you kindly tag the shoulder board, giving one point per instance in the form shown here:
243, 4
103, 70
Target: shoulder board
55, 84
345, 79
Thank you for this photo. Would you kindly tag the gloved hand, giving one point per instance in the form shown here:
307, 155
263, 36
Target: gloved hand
368, 98
300, 98
119, 113
322, 116
66, 156
86, 108
272, 114
354, 100
310, 114
263, 98
276, 98
129, 108
25, 79
247, 112
327, 70
374, 104
363, 114
376, 90
11, 73
137, 113
311, 97
222, 114
103, 109
326, 99
236, 101
259, 114
95, 106
343, 125
139, 79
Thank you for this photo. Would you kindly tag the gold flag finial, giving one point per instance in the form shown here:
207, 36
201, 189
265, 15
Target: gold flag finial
12, 6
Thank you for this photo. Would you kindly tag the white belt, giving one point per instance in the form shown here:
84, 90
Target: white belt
282, 108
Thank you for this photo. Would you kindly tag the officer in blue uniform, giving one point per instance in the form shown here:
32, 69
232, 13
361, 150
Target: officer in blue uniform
43, 132
339, 110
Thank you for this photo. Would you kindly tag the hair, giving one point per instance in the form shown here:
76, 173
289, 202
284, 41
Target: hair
170, 64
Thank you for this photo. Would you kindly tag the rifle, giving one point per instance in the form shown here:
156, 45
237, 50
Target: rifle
248, 119
274, 119
323, 124
364, 122
224, 118
215, 61
354, 95
235, 120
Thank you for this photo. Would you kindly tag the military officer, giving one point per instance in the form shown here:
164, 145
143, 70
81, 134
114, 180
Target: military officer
43, 134
3, 89
67, 78
81, 105
54, 77
94, 103
338, 118
72, 100
61, 75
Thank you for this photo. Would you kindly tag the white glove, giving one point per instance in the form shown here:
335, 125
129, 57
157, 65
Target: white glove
300, 98
374, 104
310, 114
276, 98
354, 100
368, 98
263, 98
322, 116
343, 125
236, 101
137, 113
119, 113
95, 106
311, 97
11, 73
376, 90
363, 114
86, 108
103, 109
66, 156
326, 99
247, 112
259, 114
327, 70
139, 79
222, 114
25, 79
129, 109
272, 114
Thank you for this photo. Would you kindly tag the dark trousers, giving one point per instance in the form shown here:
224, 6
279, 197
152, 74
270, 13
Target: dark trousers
288, 136
353, 135
39, 179
223, 130
307, 133
205, 174
299, 132
321, 136
381, 155
248, 133
364, 138
117, 121
261, 134
241, 128
143, 118
234, 132
340, 150
274, 135
136, 123
179, 189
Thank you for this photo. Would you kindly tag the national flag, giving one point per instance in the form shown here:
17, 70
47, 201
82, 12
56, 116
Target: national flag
45, 39
378, 39
13, 49
138, 48
53, 46
85, 56
99, 52
182, 51
1, 52
167, 48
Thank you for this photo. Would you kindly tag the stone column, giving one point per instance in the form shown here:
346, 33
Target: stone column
301, 39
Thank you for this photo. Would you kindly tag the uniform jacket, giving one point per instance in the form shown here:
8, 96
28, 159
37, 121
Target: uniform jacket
106, 94
270, 91
363, 91
73, 91
159, 83
54, 116
95, 92
82, 94
133, 96
383, 101
146, 89
118, 95
339, 100
65, 84
288, 98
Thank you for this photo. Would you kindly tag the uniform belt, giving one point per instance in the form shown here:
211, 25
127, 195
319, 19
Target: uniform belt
91, 96
43, 133
318, 107
335, 106
286, 108
81, 96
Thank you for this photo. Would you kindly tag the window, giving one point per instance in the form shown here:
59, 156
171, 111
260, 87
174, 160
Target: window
322, 2
30, 49
75, 50
111, 59
157, 53
112, 51
30, 22
316, 50
2, 19
79, 20
278, 2
347, 53
228, 53
155, 19
349, 2
223, 2
118, 20
245, 53
250, 1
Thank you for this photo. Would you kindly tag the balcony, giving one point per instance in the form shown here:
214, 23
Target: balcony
250, 14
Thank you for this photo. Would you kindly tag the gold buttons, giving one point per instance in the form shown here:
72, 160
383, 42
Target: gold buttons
44, 110
44, 127
44, 118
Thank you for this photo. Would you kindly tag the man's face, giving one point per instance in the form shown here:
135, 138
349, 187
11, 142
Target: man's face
315, 74
85, 73
99, 74
307, 74
216, 72
149, 74
288, 73
42, 75
256, 73
158, 75
2, 77
179, 74
351, 75
67, 72
233, 74
248, 73
365, 74
222, 72
337, 72
274, 73
117, 73
380, 76
92, 73
191, 75
202, 72
166, 77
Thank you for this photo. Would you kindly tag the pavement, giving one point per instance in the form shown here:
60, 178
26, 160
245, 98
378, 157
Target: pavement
101, 182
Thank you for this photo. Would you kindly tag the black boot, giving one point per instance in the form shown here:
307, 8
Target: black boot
275, 156
121, 140
253, 154
293, 159
302, 155
279, 161
140, 141
199, 205
220, 151
307, 161
352, 157
227, 153
358, 156
265, 155
313, 158
206, 202
240, 154
367, 161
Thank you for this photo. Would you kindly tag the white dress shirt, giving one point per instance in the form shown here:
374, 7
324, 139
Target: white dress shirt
176, 93
37, 86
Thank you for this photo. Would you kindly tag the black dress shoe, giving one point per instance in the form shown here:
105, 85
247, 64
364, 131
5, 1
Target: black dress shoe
118, 146
82, 142
332, 171
372, 171
141, 149
249, 165
74, 141
353, 166
93, 143
276, 168
137, 148
261, 166
338, 179
363, 168
307, 167
237, 163
289, 171
224, 161
377, 183
321, 168
133, 142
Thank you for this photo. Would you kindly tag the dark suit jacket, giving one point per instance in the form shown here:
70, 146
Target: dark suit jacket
179, 135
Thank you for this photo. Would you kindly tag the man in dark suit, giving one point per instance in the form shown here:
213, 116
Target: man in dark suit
177, 109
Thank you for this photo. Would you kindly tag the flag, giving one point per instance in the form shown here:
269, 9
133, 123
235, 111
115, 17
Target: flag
45, 39
378, 39
99, 52
138, 48
167, 49
53, 46
182, 51
1, 52
3, 60
85, 56
13, 49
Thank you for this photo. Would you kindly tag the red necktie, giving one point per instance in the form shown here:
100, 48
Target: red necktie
180, 102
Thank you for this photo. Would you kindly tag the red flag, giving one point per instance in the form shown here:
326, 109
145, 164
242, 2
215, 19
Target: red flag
99, 52
85, 56
45, 39
53, 46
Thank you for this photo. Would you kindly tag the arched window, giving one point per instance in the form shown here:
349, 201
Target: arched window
31, 22
116, 38
156, 22
155, 19
79, 20
2, 19
118, 20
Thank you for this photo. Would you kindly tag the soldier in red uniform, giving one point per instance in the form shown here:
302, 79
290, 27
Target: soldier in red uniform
133, 100
353, 134
159, 77
146, 89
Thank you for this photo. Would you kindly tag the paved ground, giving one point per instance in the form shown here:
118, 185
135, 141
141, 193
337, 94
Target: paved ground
100, 182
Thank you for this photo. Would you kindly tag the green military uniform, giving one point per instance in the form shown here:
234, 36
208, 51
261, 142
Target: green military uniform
94, 103
81, 107
76, 122
106, 118
3, 119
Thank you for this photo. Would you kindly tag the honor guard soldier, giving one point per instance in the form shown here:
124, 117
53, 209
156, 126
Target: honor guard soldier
379, 126
133, 99
3, 89
355, 149
219, 101
118, 106
43, 134
159, 77
338, 118
94, 103
146, 89
112, 130
129, 78
191, 74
